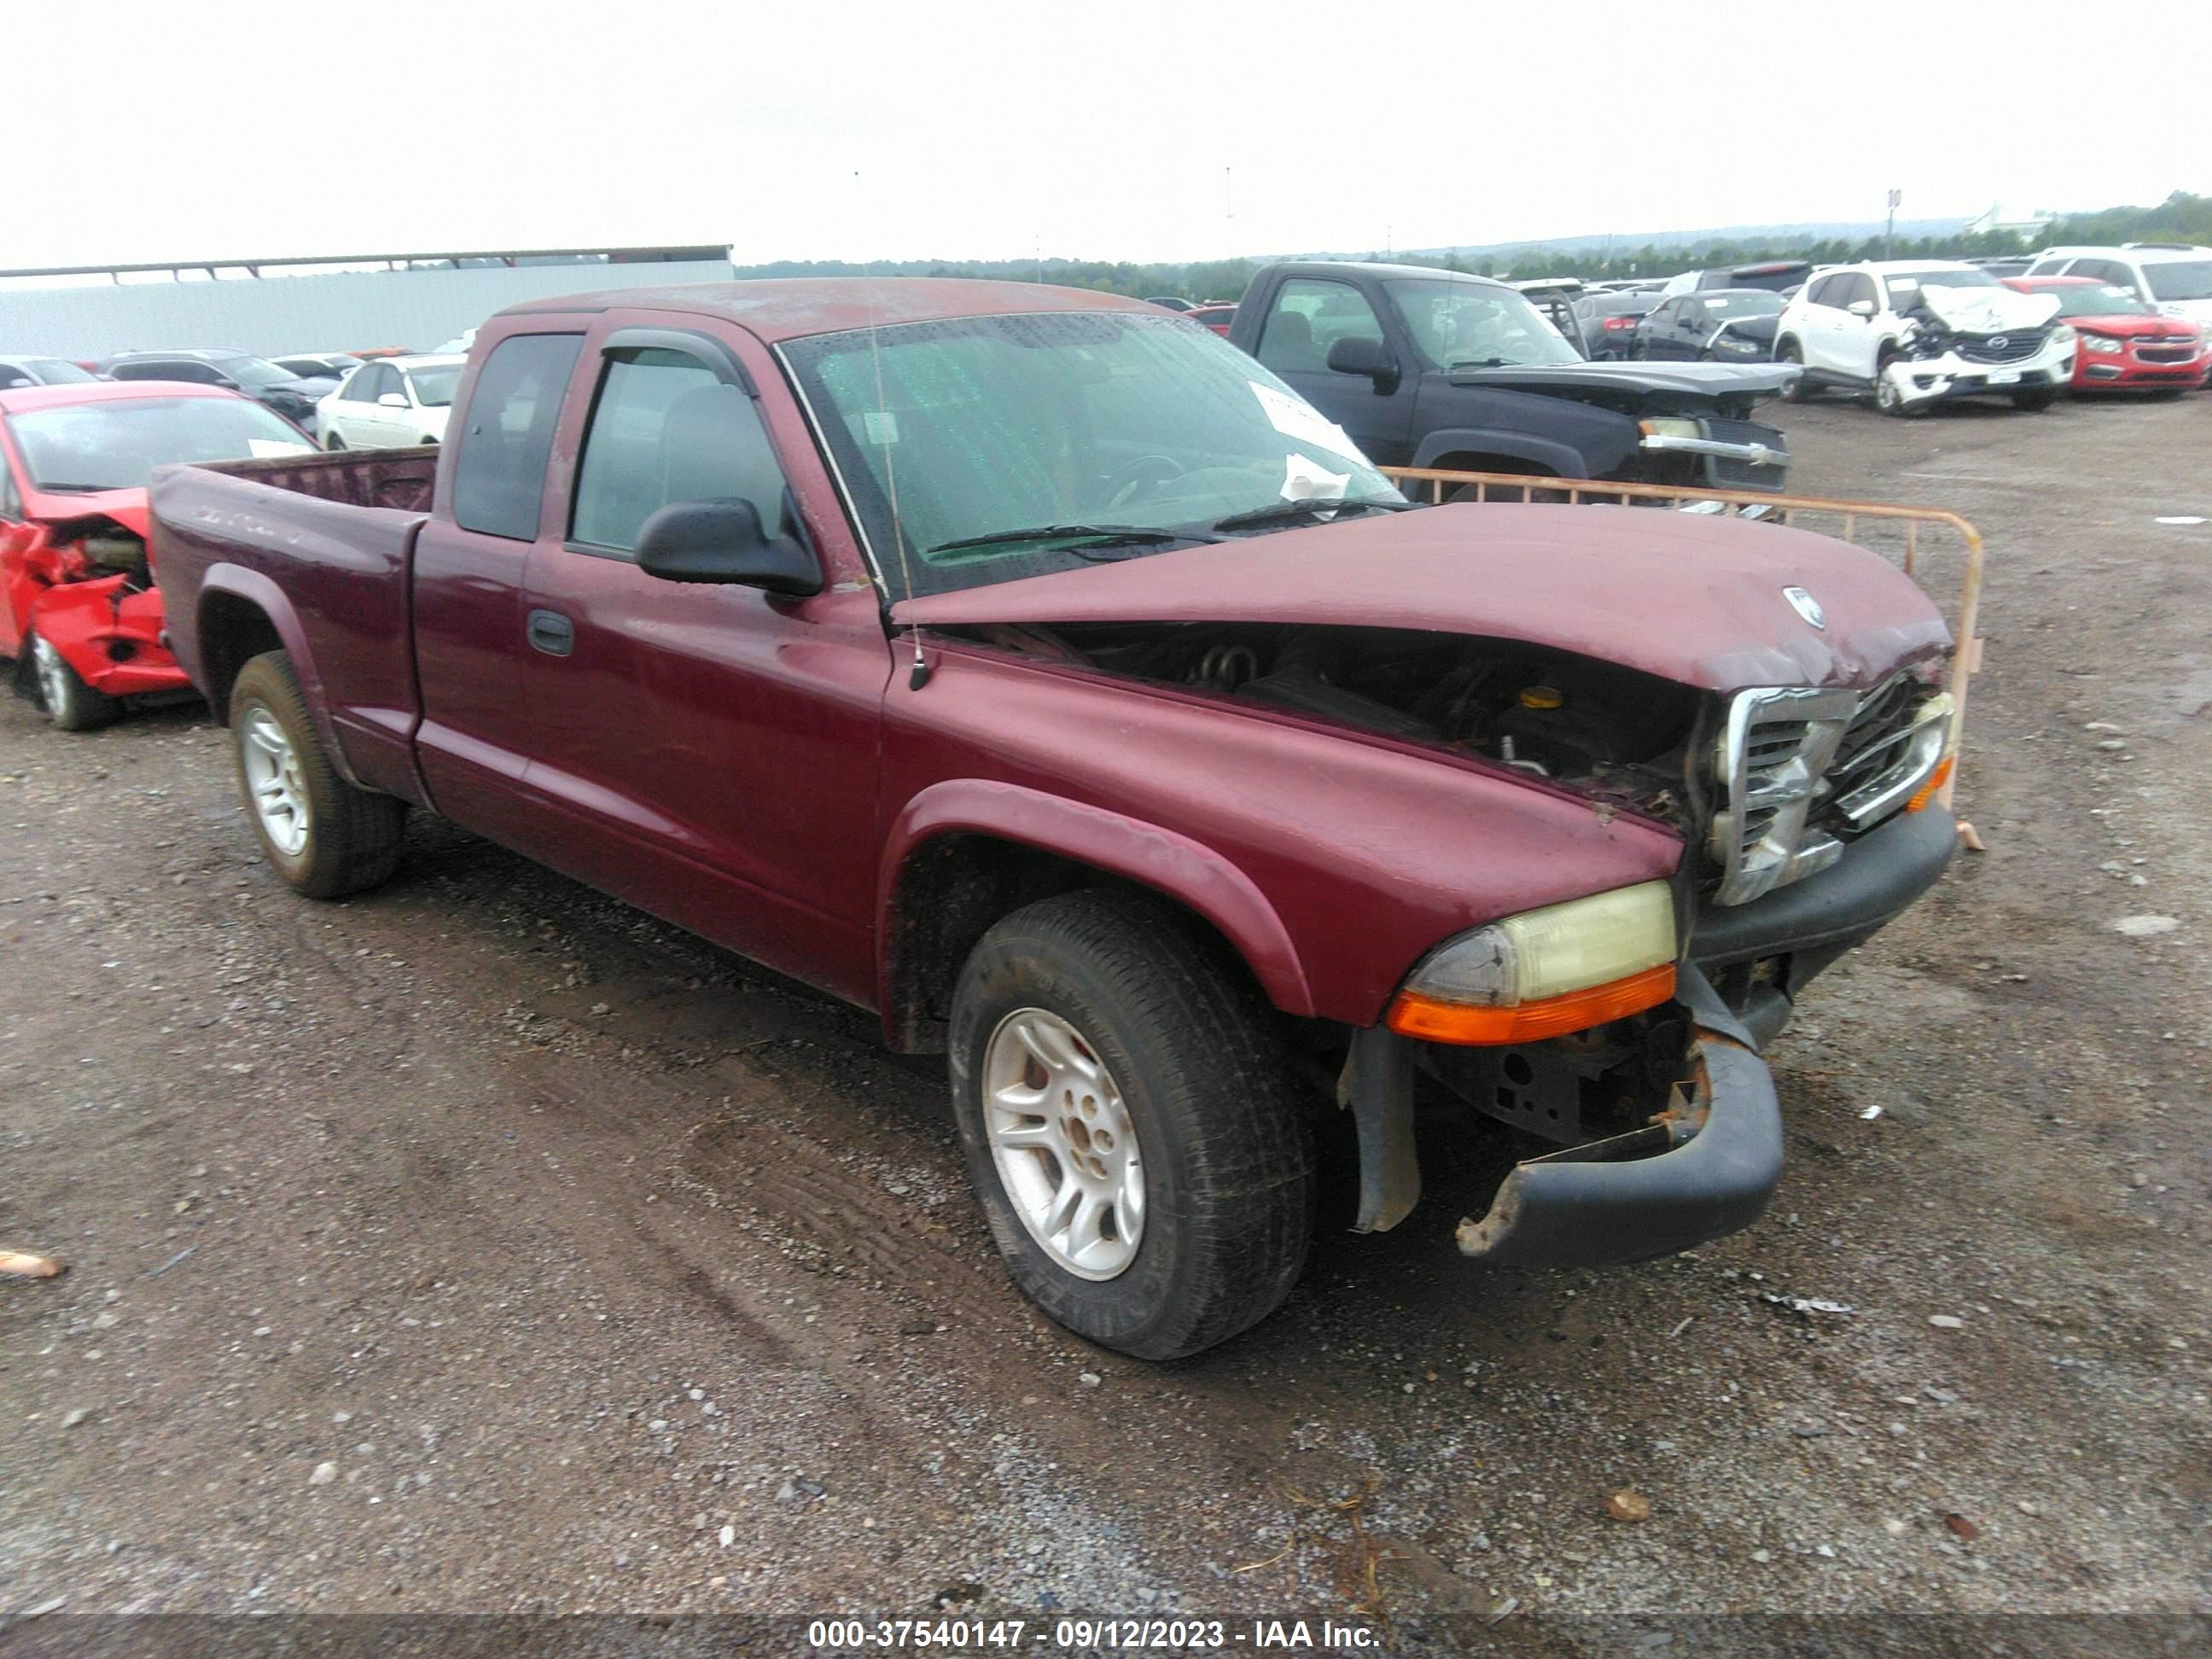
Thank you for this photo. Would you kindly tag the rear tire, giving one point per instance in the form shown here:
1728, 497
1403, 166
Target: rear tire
1103, 1010
323, 836
70, 703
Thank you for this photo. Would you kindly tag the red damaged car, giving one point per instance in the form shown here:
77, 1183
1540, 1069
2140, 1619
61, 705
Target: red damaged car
79, 612
2127, 344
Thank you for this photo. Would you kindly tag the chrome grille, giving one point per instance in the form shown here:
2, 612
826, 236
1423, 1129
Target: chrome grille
1777, 747
2014, 348
1799, 767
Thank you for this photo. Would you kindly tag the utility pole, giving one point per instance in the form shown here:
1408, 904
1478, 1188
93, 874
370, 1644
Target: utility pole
1889, 231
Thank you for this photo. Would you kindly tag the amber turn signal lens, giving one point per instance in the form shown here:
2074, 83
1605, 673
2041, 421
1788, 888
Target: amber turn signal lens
1936, 780
1416, 1016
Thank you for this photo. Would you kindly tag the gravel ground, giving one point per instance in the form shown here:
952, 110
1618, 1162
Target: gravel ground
481, 1244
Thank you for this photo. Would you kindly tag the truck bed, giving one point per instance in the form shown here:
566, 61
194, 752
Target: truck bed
321, 545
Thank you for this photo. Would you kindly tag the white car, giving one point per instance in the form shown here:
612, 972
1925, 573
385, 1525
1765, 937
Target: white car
2175, 276
394, 403
1917, 332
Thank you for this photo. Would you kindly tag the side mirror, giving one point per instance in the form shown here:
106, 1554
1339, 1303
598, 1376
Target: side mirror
391, 400
723, 541
1360, 353
1861, 307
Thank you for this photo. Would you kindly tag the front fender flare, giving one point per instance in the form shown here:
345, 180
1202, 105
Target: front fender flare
1559, 460
1187, 871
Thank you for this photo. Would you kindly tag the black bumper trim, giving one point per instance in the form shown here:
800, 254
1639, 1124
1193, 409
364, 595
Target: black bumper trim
1567, 1211
1879, 877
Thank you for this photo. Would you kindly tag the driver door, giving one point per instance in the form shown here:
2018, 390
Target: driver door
706, 751
1308, 316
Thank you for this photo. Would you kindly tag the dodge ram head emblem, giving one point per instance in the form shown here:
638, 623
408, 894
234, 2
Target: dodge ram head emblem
1806, 606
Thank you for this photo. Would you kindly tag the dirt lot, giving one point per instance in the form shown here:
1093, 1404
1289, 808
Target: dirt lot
481, 1244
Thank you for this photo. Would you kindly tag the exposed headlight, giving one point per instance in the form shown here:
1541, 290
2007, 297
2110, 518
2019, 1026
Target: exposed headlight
2102, 344
1734, 343
2062, 335
1543, 973
1669, 427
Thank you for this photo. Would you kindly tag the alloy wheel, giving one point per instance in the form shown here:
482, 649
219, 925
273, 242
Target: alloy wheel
274, 782
1062, 1138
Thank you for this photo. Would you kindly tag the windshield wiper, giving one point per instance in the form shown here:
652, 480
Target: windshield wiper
77, 488
1055, 532
1282, 512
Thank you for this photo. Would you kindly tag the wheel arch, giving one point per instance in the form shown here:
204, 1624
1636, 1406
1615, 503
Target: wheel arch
241, 614
967, 852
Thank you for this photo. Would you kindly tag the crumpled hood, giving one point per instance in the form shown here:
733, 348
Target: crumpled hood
1714, 380
1760, 329
1987, 310
127, 508
1691, 598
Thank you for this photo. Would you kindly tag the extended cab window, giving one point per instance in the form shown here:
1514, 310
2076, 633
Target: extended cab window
665, 428
500, 472
1310, 316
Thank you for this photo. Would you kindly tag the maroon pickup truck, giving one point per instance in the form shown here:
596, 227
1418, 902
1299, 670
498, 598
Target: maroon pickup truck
1033, 668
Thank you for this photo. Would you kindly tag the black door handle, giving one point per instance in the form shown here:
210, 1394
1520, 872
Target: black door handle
552, 633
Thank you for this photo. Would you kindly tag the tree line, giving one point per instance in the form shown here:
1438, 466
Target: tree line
2181, 217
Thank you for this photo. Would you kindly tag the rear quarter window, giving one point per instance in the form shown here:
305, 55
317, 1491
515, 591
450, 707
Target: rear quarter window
499, 477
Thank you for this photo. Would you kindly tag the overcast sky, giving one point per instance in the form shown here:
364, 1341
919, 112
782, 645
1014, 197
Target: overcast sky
202, 129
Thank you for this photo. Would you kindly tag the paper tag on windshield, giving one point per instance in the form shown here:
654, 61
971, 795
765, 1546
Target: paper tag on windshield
1305, 480
1294, 418
881, 425
264, 449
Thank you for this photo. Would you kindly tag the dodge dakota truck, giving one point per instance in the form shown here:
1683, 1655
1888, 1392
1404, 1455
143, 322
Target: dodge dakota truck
1037, 670
1437, 368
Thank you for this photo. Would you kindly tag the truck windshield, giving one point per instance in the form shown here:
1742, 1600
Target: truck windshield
1019, 444
116, 445
1476, 325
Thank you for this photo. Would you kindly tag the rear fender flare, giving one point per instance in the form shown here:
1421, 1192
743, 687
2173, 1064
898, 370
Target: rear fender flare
1181, 869
239, 583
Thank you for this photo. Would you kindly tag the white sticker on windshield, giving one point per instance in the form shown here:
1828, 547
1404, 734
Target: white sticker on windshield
881, 425
264, 449
1715, 305
1307, 480
1295, 418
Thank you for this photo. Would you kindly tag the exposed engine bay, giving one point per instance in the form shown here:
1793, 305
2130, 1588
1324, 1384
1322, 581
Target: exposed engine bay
1607, 732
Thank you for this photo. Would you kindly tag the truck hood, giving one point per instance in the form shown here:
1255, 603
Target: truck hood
1694, 599
1670, 382
1987, 310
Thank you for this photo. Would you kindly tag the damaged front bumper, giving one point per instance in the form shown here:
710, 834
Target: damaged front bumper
110, 633
1946, 375
1705, 1169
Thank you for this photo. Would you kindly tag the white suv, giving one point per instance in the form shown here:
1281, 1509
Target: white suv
2175, 276
1917, 332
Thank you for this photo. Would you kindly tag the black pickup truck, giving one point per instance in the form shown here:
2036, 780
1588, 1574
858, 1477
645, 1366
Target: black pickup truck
1427, 367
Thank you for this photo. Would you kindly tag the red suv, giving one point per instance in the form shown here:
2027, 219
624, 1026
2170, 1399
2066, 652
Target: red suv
2127, 344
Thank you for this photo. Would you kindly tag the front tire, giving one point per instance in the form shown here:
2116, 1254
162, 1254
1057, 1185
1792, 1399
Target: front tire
70, 703
1800, 390
323, 836
1129, 1127
1888, 399
334, 440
